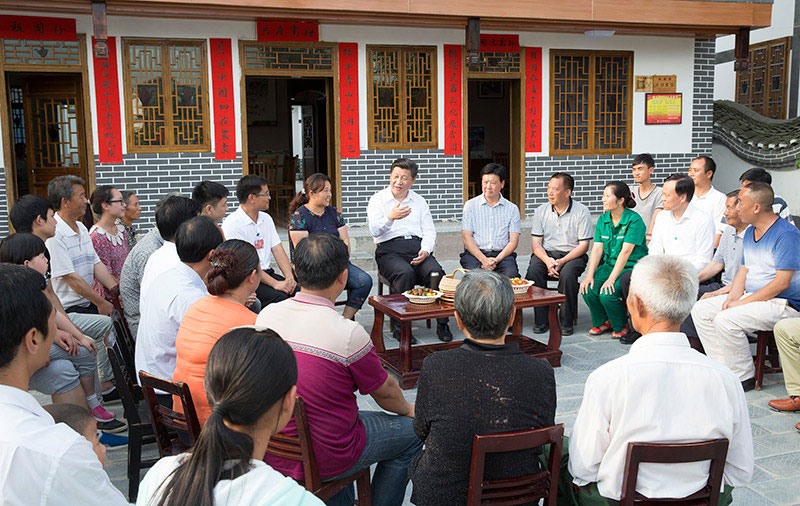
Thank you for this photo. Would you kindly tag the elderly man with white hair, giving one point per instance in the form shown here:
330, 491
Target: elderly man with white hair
662, 391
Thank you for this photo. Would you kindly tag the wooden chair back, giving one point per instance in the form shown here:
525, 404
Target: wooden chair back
715, 450
529, 488
299, 448
166, 420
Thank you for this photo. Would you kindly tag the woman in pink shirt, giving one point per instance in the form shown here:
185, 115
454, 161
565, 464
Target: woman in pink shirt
108, 236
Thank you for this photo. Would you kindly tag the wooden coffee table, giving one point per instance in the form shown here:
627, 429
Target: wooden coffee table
406, 360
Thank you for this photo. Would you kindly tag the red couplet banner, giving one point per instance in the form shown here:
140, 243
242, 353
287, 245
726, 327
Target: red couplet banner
37, 28
282, 31
533, 99
499, 43
222, 88
452, 99
106, 86
348, 99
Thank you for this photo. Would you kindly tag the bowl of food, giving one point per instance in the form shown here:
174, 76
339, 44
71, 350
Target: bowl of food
520, 285
422, 295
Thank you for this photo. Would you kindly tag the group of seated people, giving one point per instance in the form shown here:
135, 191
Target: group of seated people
207, 309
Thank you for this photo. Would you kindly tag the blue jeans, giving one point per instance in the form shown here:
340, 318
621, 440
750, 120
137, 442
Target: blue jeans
359, 284
392, 444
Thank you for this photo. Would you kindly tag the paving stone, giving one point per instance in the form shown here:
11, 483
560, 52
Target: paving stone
746, 495
783, 465
782, 491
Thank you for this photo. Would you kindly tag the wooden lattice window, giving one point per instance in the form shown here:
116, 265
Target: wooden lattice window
402, 97
762, 87
166, 95
590, 102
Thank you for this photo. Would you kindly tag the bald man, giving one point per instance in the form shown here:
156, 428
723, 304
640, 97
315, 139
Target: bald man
765, 290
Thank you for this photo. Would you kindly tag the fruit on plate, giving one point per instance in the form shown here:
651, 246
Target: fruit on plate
423, 292
519, 281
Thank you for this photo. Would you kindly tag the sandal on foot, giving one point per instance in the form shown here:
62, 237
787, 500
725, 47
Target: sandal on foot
594, 331
623, 332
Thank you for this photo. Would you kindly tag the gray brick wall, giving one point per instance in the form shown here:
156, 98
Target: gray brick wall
703, 102
153, 175
439, 181
591, 173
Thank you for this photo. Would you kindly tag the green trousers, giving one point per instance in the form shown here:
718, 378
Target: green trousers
570, 494
605, 306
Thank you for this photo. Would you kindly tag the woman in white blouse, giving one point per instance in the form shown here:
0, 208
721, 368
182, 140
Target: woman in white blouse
250, 382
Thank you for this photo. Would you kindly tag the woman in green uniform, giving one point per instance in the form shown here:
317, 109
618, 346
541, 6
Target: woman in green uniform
619, 242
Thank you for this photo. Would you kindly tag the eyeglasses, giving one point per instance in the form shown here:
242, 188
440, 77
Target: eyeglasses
261, 194
115, 201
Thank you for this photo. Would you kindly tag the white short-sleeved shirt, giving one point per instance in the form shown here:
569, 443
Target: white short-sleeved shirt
71, 252
47, 464
261, 234
713, 204
562, 232
161, 315
261, 486
163, 259
691, 237
491, 225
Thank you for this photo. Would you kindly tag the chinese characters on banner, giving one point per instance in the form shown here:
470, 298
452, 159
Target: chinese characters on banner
37, 28
106, 86
348, 99
282, 31
499, 43
222, 89
452, 99
533, 99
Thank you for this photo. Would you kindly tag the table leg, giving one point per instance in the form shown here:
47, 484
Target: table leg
516, 327
554, 343
405, 346
377, 332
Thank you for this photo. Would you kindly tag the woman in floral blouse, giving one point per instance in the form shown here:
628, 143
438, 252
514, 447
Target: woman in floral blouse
312, 213
108, 236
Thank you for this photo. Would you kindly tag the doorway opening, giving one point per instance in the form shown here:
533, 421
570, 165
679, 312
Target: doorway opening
47, 129
289, 123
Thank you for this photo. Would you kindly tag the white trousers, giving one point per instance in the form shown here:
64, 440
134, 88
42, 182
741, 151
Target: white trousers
724, 333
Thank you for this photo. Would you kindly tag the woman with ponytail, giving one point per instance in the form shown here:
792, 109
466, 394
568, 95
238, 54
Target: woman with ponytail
312, 213
620, 240
233, 278
250, 381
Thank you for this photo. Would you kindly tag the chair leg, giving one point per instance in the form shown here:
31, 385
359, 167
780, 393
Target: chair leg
134, 462
761, 352
428, 321
364, 490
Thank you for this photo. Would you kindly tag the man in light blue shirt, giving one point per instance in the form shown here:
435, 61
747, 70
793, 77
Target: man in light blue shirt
490, 227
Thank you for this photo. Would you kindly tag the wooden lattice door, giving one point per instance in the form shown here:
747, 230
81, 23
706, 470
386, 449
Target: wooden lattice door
53, 130
762, 87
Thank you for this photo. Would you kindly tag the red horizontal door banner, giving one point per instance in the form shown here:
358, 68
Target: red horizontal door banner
222, 89
37, 28
533, 99
452, 99
106, 87
283, 31
499, 43
348, 99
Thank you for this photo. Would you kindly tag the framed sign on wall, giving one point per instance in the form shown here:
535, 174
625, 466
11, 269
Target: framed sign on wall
663, 108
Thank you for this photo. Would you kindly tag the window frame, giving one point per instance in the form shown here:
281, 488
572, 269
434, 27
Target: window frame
591, 150
403, 143
169, 146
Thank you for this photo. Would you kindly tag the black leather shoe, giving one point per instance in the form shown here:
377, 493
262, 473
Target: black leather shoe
396, 334
630, 337
567, 331
541, 329
443, 332
749, 384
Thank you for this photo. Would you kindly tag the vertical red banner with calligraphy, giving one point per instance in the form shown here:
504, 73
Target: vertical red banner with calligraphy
533, 99
106, 87
222, 89
348, 99
452, 99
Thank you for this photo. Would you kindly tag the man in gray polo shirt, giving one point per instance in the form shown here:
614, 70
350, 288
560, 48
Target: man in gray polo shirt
562, 229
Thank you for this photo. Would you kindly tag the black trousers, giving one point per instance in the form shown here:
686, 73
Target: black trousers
394, 263
88, 309
567, 284
507, 266
267, 295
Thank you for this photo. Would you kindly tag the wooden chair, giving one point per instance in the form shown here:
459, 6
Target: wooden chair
528, 488
383, 281
715, 450
164, 419
299, 448
501, 157
268, 169
140, 428
284, 185
766, 349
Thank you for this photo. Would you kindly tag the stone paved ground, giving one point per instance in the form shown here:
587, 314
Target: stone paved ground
777, 444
